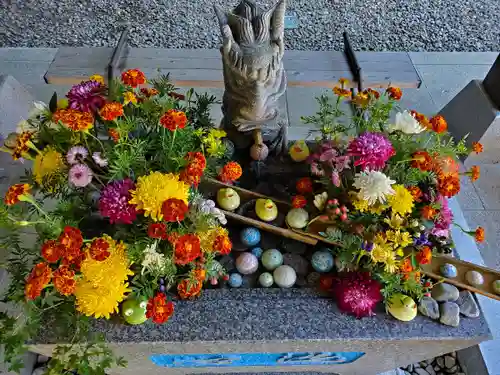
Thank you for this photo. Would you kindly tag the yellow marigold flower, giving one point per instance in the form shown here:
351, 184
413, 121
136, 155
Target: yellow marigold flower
129, 97
208, 237
360, 205
154, 189
103, 284
395, 222
381, 249
400, 239
47, 165
401, 202
97, 78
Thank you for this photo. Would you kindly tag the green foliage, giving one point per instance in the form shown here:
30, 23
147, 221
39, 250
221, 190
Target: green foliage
327, 118
128, 158
163, 84
199, 114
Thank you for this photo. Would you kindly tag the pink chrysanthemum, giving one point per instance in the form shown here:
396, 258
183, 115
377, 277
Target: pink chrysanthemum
86, 96
443, 219
114, 202
99, 160
371, 150
357, 293
76, 154
80, 175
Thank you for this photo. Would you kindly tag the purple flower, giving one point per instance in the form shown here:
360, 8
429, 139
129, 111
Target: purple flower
76, 154
423, 240
86, 96
99, 160
367, 246
444, 219
80, 175
114, 202
371, 150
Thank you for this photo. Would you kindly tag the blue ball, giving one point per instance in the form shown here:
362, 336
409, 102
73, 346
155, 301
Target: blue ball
235, 280
322, 261
448, 270
257, 251
250, 236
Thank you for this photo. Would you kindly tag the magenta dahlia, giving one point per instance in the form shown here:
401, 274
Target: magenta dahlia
370, 150
86, 96
357, 293
114, 202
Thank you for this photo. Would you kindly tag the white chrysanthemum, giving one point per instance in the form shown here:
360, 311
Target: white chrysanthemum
373, 186
153, 261
406, 123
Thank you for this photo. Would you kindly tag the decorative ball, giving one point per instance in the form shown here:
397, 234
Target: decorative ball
250, 236
474, 278
134, 311
297, 218
266, 279
257, 251
259, 152
247, 263
228, 199
284, 276
266, 209
402, 307
322, 261
448, 270
496, 286
235, 280
272, 259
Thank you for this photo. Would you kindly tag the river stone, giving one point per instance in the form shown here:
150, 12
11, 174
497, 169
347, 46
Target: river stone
430, 370
429, 307
423, 364
452, 370
409, 368
468, 305
421, 371
443, 292
440, 362
297, 262
450, 315
474, 278
449, 361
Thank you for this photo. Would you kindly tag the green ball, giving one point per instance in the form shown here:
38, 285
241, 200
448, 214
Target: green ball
266, 279
134, 310
272, 259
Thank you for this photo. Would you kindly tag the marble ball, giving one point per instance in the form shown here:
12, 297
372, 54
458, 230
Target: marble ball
250, 236
448, 270
272, 259
257, 251
247, 263
474, 278
266, 279
322, 261
235, 280
284, 276
496, 286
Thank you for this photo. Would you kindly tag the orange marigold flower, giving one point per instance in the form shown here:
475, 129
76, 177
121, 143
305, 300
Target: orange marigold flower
428, 212
159, 309
52, 251
477, 147
422, 119
173, 119
190, 176
149, 92
38, 279
133, 77
341, 92
16, 193
406, 266
176, 95
475, 172
111, 111
299, 201
422, 160
445, 166
157, 230
424, 256
74, 119
71, 238
449, 186
394, 93
230, 172
373, 93
439, 124
187, 249
64, 280
99, 249
22, 144
222, 245
343, 82
113, 133
196, 160
361, 99
415, 192
189, 288
304, 185
174, 210
479, 234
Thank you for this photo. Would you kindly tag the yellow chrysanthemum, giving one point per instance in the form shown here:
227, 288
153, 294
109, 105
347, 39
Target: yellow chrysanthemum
208, 237
391, 264
381, 249
154, 189
400, 239
359, 204
395, 222
401, 202
103, 284
47, 165
129, 97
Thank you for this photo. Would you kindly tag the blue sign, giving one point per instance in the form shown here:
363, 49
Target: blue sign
255, 359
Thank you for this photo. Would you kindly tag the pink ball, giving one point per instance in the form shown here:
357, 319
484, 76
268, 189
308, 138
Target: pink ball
247, 263
259, 152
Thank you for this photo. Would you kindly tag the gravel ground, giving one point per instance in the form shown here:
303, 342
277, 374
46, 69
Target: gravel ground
409, 25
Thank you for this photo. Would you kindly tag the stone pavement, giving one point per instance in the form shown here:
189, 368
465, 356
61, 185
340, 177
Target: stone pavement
444, 75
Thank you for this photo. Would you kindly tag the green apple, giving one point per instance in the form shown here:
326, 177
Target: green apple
134, 310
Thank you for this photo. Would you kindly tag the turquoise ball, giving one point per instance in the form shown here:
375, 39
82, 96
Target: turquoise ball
448, 270
250, 236
322, 261
266, 279
272, 259
257, 251
235, 280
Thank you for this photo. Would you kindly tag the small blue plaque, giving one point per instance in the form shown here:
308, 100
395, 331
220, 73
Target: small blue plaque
291, 20
255, 359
